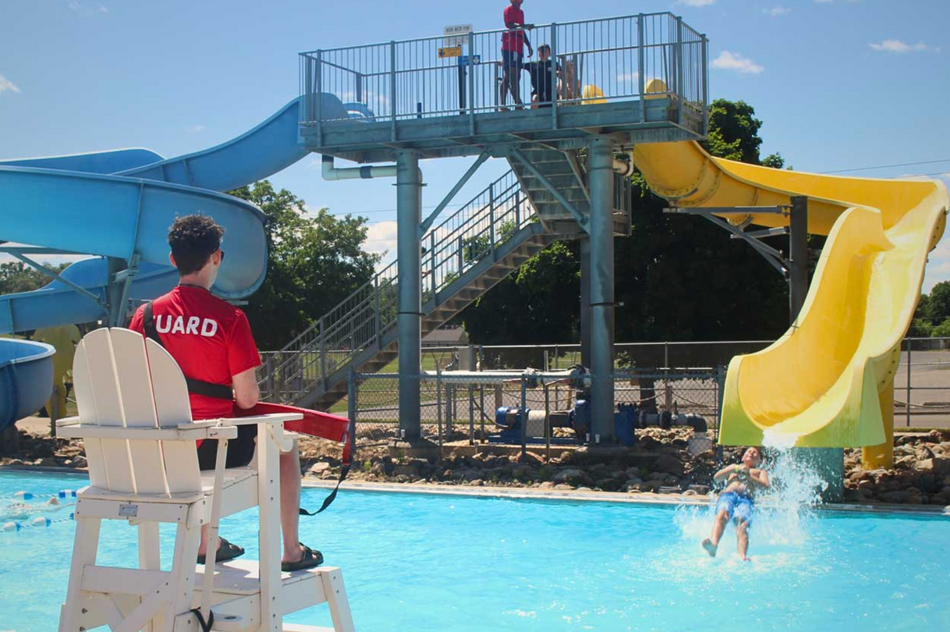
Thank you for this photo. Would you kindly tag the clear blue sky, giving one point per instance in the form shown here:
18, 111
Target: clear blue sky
839, 84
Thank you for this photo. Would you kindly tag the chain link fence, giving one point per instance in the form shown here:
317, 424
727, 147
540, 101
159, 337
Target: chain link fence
460, 408
922, 383
627, 355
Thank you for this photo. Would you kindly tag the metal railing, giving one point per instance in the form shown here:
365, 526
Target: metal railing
602, 60
466, 237
362, 320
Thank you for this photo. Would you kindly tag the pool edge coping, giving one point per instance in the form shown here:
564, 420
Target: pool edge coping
608, 497
529, 493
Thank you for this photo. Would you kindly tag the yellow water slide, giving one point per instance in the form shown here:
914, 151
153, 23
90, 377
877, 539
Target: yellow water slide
828, 382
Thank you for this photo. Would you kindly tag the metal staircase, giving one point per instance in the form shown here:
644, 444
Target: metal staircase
565, 172
462, 258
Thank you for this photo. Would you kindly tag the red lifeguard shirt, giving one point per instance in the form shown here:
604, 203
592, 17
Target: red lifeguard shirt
209, 338
513, 40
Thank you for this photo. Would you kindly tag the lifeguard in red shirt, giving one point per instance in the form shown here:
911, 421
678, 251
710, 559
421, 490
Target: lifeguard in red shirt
212, 342
513, 42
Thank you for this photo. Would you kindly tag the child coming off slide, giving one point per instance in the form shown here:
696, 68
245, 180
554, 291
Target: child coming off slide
737, 500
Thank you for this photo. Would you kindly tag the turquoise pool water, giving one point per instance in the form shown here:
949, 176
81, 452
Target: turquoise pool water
424, 562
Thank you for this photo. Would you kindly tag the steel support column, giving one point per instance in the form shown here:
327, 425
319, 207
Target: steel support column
829, 462
798, 251
601, 174
409, 257
585, 300
116, 295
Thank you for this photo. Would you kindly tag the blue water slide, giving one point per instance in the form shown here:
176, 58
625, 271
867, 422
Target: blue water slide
120, 203
26, 378
104, 162
270, 147
115, 216
57, 304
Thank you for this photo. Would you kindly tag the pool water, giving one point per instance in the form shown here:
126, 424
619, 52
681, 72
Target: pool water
427, 562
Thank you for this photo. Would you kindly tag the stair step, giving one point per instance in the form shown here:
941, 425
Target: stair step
242, 577
574, 196
566, 180
550, 167
545, 155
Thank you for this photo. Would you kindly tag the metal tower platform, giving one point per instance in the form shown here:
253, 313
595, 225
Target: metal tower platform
638, 79
621, 81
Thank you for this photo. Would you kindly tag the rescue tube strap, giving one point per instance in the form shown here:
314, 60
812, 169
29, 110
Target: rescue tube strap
344, 470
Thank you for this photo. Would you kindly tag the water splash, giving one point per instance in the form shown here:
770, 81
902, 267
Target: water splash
784, 515
788, 508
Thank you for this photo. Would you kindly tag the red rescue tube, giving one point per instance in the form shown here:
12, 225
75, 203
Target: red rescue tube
314, 423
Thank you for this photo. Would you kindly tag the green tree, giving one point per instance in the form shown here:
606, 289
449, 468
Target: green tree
774, 161
942, 330
733, 131
474, 248
921, 326
19, 277
681, 278
314, 262
537, 304
936, 307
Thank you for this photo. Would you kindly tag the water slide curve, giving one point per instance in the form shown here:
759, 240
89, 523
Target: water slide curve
828, 382
119, 204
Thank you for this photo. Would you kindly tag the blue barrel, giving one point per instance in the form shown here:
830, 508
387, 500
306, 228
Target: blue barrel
625, 423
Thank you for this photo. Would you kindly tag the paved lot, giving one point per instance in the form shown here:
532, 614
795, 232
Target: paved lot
930, 390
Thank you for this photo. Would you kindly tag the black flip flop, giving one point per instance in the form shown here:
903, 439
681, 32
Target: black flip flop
226, 551
310, 559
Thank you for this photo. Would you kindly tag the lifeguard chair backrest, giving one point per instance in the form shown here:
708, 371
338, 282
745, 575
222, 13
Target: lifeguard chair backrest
123, 380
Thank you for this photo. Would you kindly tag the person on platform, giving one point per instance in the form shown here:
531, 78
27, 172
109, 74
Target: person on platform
212, 342
513, 42
542, 87
737, 501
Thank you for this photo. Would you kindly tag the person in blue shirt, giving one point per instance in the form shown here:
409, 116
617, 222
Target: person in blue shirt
737, 501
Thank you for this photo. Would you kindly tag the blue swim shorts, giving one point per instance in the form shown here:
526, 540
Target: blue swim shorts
736, 505
512, 59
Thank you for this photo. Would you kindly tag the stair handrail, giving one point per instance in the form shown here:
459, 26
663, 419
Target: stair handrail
341, 324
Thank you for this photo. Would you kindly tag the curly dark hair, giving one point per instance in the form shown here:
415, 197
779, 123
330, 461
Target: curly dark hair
193, 239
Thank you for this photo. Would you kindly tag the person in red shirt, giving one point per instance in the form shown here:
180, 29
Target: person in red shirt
212, 342
513, 42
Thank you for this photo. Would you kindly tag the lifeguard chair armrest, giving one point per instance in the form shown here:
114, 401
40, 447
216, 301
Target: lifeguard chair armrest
285, 440
273, 418
185, 432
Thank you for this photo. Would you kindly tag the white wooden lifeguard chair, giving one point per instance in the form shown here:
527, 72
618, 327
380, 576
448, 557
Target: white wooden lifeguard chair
135, 421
